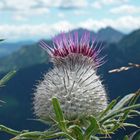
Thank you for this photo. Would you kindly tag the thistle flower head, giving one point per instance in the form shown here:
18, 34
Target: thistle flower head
73, 80
66, 45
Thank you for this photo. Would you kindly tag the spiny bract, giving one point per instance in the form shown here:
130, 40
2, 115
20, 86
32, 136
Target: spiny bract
73, 80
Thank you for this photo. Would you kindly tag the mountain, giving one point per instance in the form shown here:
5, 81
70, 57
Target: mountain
28, 55
81, 31
118, 55
7, 48
110, 35
130, 46
107, 34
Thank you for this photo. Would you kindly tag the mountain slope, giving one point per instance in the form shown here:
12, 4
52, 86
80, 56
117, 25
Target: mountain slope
24, 57
130, 47
109, 34
7, 48
32, 54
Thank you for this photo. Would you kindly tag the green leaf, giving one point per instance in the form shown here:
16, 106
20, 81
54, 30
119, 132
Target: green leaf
124, 116
110, 106
135, 98
37, 135
126, 138
135, 112
8, 130
130, 125
135, 135
59, 114
47, 122
94, 138
114, 127
136, 106
77, 131
92, 129
123, 102
7, 77
113, 121
115, 113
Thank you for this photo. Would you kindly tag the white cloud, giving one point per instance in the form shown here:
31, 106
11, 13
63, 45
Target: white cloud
98, 4
61, 15
26, 31
30, 4
15, 32
127, 9
113, 1
126, 23
27, 14
31, 12
62, 26
18, 17
92, 24
65, 3
18, 4
1, 5
79, 12
23, 9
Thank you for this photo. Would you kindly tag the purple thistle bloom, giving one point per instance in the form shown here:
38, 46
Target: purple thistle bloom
73, 80
65, 45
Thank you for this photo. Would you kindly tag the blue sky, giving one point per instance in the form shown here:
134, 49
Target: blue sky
35, 19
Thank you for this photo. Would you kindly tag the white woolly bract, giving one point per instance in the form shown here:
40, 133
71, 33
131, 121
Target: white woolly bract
75, 83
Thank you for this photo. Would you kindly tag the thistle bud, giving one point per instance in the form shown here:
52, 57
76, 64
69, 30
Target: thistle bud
73, 80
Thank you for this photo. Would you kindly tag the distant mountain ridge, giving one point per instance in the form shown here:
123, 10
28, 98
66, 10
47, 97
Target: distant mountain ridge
7, 48
110, 35
107, 34
24, 57
130, 46
32, 54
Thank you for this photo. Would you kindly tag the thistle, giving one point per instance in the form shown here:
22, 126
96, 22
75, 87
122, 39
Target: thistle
73, 80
